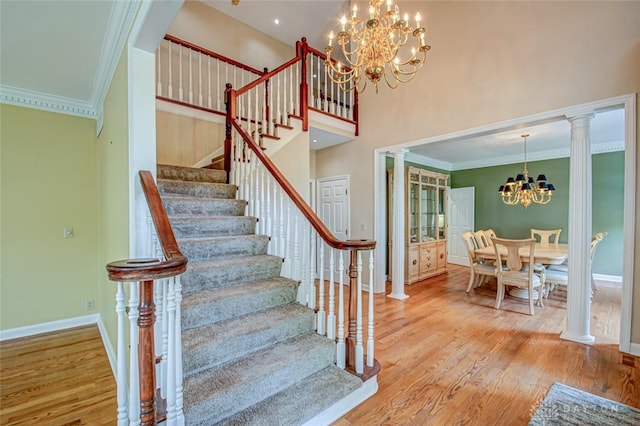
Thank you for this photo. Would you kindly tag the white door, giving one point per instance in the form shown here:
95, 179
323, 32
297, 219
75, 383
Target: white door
461, 219
333, 209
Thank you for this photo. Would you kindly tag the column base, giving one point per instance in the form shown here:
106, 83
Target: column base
399, 296
585, 340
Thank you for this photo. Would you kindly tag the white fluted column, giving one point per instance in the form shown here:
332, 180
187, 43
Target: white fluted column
397, 252
579, 285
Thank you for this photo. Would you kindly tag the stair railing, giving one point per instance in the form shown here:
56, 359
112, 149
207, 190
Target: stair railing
303, 241
194, 77
153, 390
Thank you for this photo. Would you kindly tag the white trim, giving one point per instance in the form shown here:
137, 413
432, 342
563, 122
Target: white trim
332, 123
209, 158
379, 218
47, 327
108, 347
617, 279
118, 28
346, 404
46, 102
634, 349
628, 250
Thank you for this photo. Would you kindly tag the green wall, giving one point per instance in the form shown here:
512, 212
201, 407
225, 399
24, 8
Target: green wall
48, 181
516, 221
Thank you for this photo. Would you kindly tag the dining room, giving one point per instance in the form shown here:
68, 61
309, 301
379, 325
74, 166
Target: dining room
609, 178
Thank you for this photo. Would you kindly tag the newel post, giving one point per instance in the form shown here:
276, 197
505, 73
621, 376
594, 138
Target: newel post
146, 357
353, 295
303, 49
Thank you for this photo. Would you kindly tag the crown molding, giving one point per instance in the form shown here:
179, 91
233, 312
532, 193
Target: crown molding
118, 28
45, 101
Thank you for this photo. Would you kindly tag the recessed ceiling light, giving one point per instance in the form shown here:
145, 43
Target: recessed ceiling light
276, 21
315, 140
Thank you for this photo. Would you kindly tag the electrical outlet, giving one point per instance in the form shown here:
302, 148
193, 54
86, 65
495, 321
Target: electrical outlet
68, 233
362, 227
90, 304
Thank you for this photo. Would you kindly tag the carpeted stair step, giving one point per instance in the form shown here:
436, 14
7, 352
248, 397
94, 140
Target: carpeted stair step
209, 248
165, 171
299, 403
229, 271
186, 206
211, 306
201, 226
196, 189
212, 395
213, 344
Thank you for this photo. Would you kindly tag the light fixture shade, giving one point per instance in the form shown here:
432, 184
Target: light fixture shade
520, 178
550, 187
542, 185
510, 181
507, 189
501, 189
526, 186
541, 178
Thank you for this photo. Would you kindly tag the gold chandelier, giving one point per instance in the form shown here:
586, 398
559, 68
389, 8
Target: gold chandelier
523, 190
378, 47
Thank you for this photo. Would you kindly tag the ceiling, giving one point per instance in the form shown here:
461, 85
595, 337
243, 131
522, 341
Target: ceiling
86, 30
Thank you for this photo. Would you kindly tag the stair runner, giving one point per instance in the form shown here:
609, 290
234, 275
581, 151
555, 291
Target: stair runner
250, 352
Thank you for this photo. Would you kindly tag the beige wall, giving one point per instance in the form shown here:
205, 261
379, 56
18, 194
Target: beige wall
208, 28
293, 160
113, 191
48, 180
494, 61
183, 141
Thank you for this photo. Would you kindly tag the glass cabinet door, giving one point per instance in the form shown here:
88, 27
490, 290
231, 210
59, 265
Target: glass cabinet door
441, 211
414, 196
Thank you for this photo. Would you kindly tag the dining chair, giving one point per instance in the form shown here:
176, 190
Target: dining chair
490, 233
478, 270
558, 274
546, 235
481, 238
513, 272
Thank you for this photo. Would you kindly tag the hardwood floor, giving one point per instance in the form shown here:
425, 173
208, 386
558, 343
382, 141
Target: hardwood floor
448, 358
60, 378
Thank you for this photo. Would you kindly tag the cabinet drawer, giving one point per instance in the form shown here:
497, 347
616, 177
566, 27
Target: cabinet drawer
413, 262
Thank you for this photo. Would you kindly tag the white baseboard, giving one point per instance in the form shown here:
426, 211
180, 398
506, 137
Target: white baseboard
30, 330
608, 280
342, 407
634, 349
108, 347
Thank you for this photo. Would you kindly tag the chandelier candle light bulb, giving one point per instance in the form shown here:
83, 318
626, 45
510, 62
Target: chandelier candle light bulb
371, 48
523, 189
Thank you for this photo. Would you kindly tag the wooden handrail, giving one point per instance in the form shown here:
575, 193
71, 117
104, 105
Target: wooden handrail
297, 199
152, 269
212, 54
267, 76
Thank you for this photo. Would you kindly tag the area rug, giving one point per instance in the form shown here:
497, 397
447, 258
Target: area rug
565, 405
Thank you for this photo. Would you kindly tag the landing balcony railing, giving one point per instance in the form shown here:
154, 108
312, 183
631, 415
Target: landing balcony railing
195, 77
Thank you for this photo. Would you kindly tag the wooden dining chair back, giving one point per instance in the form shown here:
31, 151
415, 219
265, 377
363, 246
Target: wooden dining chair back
478, 270
482, 239
512, 271
490, 233
545, 236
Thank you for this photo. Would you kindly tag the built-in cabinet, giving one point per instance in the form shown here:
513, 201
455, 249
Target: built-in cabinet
425, 223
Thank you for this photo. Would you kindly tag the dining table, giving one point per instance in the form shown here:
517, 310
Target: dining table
547, 254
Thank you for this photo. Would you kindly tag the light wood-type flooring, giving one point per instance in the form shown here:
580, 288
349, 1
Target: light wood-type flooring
448, 358
60, 378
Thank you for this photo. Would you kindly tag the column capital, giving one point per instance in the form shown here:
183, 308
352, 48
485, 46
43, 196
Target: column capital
398, 151
583, 116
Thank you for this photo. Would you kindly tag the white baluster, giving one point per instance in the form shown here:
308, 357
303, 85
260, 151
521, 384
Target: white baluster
351, 106
295, 265
210, 91
321, 312
312, 85
291, 92
312, 272
257, 116
359, 347
172, 414
180, 91
190, 78
281, 221
285, 99
121, 369
268, 218
160, 329
200, 80
288, 260
370, 314
263, 214
159, 72
220, 93
170, 74
178, 346
297, 86
134, 383
278, 101
340, 347
303, 291
271, 109
275, 215
331, 317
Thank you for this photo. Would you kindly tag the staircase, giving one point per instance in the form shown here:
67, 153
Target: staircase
251, 355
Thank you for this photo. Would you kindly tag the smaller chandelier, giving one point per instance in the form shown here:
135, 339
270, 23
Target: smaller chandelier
523, 189
372, 48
